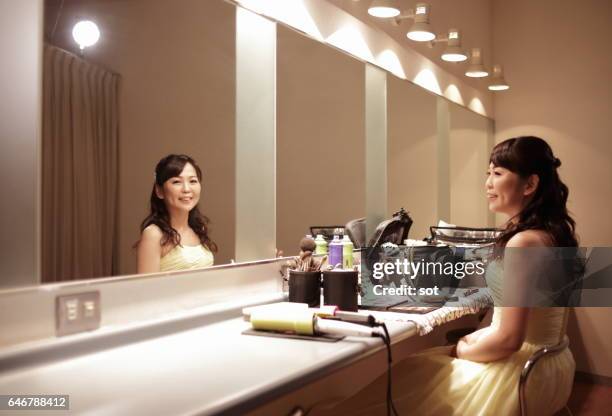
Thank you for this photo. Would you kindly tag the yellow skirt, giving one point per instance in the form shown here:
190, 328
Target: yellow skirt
434, 383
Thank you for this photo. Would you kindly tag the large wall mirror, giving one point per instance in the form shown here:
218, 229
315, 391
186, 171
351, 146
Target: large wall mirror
320, 138
412, 154
162, 79
471, 140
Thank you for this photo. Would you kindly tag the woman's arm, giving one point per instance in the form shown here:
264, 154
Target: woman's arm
501, 341
497, 342
149, 250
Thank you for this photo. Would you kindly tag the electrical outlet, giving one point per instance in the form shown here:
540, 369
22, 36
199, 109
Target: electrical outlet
77, 312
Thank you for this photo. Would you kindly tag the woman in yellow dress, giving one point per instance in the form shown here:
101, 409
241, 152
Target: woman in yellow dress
174, 236
480, 375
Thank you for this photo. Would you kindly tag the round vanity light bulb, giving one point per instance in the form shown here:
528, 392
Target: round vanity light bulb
476, 73
499, 87
384, 8
420, 36
453, 57
86, 33
476, 69
383, 12
421, 32
498, 82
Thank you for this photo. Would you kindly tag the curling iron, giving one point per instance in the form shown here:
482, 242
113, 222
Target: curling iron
307, 322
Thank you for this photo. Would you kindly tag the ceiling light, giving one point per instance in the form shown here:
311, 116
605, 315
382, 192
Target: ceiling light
498, 83
453, 51
384, 8
476, 68
421, 30
85, 33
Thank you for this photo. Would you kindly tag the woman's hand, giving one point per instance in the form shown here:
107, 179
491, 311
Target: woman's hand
461, 348
465, 342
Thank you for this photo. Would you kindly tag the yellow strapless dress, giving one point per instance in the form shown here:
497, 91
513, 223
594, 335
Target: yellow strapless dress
186, 257
434, 383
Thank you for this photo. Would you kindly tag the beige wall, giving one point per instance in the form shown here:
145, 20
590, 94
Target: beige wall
177, 94
20, 83
412, 162
320, 138
557, 61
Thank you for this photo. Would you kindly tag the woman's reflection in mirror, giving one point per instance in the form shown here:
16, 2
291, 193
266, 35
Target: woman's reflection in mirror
174, 236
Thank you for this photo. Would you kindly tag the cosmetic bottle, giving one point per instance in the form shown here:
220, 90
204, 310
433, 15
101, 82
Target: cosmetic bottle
320, 245
347, 253
335, 252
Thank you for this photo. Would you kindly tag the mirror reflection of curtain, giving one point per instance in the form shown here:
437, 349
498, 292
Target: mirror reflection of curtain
79, 167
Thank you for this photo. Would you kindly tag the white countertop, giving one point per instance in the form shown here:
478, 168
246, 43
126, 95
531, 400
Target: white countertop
208, 369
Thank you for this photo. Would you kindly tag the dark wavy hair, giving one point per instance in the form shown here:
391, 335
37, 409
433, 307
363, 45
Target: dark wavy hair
547, 210
167, 168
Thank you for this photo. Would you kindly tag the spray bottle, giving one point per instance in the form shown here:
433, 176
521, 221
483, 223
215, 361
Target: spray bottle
335, 252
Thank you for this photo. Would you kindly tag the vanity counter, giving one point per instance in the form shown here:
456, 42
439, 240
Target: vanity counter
209, 369
172, 344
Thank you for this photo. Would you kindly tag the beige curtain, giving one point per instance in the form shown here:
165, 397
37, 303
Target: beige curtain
79, 168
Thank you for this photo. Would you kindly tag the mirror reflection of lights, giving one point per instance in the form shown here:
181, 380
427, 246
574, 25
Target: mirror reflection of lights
86, 33
477, 106
350, 39
292, 12
389, 60
453, 94
427, 79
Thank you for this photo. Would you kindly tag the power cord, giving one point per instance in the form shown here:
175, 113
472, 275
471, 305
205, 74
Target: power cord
387, 340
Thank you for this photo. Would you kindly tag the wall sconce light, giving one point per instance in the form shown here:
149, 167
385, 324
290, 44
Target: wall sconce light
421, 30
498, 83
384, 8
476, 69
453, 51
86, 34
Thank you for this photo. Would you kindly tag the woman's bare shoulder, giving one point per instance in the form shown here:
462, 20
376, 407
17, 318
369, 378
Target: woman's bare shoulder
151, 234
530, 238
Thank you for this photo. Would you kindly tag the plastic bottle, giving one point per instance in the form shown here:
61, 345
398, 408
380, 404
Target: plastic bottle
320, 245
347, 253
335, 252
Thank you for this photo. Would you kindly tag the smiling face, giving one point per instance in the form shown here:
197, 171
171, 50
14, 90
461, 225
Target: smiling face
507, 192
181, 193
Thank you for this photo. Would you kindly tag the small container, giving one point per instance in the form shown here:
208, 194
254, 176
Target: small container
305, 287
340, 288
335, 252
347, 253
320, 245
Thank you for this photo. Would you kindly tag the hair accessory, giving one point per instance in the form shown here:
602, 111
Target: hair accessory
556, 162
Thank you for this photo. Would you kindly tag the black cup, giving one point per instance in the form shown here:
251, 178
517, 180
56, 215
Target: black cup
305, 287
340, 288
